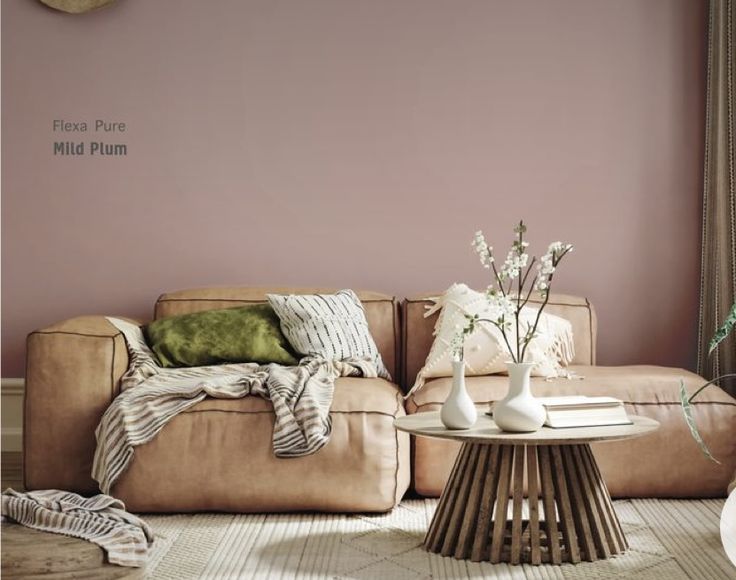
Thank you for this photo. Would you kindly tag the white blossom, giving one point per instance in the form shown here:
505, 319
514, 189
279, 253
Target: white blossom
484, 251
502, 306
548, 264
516, 260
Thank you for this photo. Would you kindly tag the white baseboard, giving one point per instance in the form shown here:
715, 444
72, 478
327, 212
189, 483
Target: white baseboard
11, 429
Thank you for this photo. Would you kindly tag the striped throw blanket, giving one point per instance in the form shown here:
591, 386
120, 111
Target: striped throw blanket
301, 397
100, 519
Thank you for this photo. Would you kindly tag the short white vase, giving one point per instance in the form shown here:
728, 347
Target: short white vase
519, 411
458, 411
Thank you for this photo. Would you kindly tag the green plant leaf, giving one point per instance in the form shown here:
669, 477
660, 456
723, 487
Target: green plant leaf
687, 411
727, 326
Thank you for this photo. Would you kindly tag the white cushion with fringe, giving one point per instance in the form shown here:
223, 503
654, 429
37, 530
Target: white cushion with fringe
486, 352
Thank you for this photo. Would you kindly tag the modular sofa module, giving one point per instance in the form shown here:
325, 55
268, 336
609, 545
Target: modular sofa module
217, 455
667, 463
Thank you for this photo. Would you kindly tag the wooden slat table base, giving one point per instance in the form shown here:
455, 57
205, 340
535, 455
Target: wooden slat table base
577, 520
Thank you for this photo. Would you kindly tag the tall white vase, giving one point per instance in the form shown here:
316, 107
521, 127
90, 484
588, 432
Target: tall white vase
458, 411
519, 411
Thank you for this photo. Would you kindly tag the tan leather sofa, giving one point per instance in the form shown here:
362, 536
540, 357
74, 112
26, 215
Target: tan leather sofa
217, 455
665, 464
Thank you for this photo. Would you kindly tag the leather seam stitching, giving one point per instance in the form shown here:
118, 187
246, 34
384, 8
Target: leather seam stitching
396, 439
404, 351
188, 411
50, 332
590, 331
112, 370
663, 403
397, 346
259, 300
26, 423
419, 300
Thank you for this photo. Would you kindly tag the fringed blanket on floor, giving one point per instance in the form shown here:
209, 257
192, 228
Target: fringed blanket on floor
100, 519
152, 396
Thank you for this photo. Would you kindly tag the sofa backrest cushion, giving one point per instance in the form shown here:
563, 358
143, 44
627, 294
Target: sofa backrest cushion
381, 311
417, 330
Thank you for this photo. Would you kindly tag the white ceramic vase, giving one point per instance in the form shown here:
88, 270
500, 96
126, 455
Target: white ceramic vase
458, 411
519, 411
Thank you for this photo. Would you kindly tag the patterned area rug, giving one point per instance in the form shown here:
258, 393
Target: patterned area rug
668, 539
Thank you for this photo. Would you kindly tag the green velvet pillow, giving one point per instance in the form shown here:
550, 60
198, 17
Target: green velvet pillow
231, 335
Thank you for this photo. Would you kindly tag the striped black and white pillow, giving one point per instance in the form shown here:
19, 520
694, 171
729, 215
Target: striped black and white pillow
332, 326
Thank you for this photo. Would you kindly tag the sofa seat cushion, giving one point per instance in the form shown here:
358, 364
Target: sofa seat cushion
667, 463
218, 456
352, 395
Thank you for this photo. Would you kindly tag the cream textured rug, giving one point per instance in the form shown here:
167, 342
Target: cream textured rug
669, 539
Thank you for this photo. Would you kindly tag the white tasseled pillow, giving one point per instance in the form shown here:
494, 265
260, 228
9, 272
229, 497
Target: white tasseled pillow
485, 350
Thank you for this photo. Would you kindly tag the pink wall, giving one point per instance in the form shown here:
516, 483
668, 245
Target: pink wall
356, 144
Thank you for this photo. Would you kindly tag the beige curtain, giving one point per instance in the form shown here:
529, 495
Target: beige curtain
718, 265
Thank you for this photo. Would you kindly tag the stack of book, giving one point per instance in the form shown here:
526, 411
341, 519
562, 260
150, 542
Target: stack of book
580, 411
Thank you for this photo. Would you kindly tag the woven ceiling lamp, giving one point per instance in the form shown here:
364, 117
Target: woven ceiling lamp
76, 6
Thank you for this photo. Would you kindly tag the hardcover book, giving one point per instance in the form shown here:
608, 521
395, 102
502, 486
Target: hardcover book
581, 411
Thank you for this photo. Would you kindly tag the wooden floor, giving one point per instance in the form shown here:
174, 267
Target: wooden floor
28, 553
11, 470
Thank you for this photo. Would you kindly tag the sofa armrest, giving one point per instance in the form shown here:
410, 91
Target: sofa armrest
73, 372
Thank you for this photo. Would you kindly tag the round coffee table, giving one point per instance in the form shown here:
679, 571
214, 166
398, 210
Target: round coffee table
494, 468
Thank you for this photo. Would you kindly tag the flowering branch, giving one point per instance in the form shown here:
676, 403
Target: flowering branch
517, 267
519, 246
547, 267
